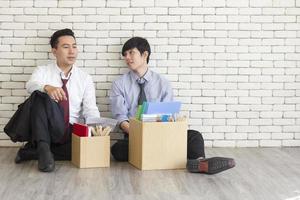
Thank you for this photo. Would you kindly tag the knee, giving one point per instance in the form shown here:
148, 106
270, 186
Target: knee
195, 135
120, 150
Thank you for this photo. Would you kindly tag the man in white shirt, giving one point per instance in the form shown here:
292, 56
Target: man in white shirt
67, 87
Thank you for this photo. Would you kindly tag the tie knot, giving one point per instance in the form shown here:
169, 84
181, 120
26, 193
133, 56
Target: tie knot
64, 81
141, 81
141, 84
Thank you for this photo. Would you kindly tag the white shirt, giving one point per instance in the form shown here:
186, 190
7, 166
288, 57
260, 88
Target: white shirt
81, 89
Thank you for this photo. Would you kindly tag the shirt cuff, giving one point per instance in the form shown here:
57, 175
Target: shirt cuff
120, 121
42, 88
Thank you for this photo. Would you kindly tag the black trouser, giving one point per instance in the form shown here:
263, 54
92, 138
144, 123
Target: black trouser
43, 130
195, 147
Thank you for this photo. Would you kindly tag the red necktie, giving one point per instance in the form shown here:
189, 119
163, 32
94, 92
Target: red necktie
65, 105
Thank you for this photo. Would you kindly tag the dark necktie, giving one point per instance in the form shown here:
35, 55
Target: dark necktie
65, 104
142, 95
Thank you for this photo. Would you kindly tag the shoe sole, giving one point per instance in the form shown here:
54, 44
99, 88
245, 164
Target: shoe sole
48, 169
210, 165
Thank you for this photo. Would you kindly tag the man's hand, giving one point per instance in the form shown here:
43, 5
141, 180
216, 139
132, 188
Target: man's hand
55, 93
125, 126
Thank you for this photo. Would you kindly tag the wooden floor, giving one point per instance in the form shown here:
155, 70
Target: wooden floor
266, 173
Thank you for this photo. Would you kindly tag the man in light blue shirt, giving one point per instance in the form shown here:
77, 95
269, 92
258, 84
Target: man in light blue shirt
141, 84
125, 92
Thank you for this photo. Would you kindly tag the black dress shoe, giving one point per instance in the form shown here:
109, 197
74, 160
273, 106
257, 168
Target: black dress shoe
210, 165
45, 161
27, 152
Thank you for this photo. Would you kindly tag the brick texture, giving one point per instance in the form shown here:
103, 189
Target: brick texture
233, 64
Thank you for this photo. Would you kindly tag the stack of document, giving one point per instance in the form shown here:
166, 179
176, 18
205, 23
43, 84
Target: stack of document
158, 111
157, 117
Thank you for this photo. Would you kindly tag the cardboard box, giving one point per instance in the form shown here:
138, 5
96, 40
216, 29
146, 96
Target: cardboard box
158, 145
88, 152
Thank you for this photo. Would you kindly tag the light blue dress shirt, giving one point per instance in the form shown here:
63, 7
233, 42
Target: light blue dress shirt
125, 93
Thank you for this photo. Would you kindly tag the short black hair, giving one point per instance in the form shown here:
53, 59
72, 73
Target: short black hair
137, 42
58, 34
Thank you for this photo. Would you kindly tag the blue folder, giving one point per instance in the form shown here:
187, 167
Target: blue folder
162, 107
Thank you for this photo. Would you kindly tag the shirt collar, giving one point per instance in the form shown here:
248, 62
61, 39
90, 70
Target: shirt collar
146, 77
60, 72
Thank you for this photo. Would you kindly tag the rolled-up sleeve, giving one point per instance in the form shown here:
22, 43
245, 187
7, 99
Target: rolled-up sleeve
118, 102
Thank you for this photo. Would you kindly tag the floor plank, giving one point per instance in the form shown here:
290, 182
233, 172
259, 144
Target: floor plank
261, 173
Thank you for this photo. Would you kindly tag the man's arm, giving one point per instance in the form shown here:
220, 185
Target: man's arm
118, 106
90, 109
168, 91
37, 82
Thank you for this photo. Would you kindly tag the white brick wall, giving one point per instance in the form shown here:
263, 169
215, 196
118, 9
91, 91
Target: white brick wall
235, 65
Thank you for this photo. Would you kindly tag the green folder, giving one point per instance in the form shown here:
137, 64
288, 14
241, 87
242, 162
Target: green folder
138, 112
141, 110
